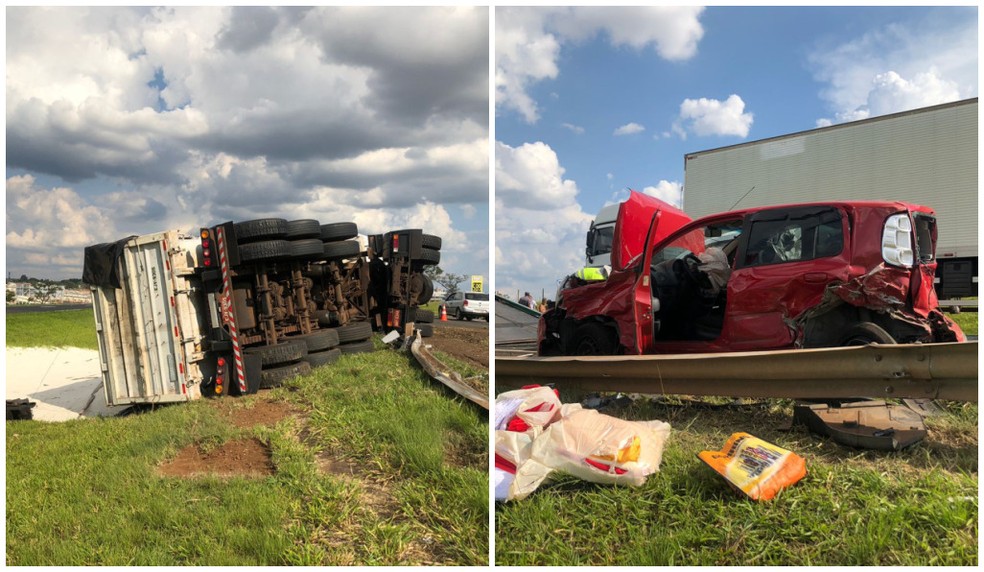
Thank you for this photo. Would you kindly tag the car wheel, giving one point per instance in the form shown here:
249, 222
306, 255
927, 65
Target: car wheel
594, 339
866, 333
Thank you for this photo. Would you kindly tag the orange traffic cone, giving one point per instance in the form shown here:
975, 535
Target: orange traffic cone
444, 313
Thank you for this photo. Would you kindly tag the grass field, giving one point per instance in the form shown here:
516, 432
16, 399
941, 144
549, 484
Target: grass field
88, 492
65, 328
915, 507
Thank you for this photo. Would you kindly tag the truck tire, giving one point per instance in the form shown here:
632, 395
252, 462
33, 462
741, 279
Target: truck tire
307, 248
281, 353
341, 250
421, 315
275, 377
318, 359
431, 241
426, 330
266, 250
303, 228
260, 229
428, 291
317, 341
429, 256
339, 231
358, 347
865, 333
354, 332
594, 339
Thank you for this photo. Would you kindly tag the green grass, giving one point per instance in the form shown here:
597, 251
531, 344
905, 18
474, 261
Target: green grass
967, 322
64, 328
87, 492
914, 507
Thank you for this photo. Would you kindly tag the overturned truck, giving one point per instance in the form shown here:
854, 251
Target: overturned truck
247, 305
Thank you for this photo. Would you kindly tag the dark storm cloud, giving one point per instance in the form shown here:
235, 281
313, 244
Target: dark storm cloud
248, 27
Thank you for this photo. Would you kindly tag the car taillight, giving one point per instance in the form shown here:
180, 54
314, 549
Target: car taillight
897, 241
465, 303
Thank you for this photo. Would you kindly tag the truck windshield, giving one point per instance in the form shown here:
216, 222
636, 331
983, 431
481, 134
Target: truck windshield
601, 240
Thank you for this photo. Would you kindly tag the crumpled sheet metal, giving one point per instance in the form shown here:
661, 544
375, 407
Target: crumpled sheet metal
589, 445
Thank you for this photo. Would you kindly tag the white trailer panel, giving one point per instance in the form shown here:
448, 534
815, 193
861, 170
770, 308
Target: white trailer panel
925, 156
148, 330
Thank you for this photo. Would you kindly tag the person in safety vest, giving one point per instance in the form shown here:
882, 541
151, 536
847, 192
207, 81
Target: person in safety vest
593, 273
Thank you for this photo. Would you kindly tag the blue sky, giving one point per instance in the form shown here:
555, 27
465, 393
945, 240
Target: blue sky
127, 121
590, 101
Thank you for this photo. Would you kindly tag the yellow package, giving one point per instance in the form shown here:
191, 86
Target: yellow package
757, 468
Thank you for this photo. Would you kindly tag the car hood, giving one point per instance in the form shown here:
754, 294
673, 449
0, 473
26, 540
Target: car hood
632, 225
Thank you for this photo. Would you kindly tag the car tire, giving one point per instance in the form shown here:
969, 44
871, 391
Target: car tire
865, 333
276, 376
339, 231
594, 339
260, 229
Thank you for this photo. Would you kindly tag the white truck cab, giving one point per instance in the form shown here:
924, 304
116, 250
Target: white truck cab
599, 238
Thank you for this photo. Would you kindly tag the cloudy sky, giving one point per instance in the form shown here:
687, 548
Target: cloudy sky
592, 101
128, 121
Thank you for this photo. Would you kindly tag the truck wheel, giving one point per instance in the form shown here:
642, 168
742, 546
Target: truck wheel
318, 341
307, 248
421, 315
318, 359
281, 353
275, 377
866, 333
429, 256
266, 250
354, 332
428, 291
358, 347
426, 330
339, 231
593, 339
341, 250
431, 241
260, 229
303, 228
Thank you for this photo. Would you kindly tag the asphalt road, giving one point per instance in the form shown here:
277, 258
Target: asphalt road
27, 308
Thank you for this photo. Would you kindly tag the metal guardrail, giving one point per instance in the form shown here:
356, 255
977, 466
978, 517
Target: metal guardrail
938, 371
442, 373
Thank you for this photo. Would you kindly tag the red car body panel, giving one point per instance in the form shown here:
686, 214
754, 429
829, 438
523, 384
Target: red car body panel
767, 305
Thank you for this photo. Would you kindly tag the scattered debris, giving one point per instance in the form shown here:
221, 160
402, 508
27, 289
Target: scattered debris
20, 409
755, 467
864, 424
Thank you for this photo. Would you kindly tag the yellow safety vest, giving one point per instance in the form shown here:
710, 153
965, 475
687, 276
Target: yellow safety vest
593, 273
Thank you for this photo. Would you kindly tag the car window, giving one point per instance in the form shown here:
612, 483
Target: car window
793, 235
476, 296
720, 235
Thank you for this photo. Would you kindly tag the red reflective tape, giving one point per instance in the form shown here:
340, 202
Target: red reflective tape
181, 368
184, 389
175, 331
172, 301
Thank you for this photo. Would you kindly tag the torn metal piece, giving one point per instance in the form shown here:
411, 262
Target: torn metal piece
924, 407
442, 373
865, 425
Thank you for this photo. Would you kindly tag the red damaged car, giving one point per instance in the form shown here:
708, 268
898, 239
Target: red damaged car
789, 276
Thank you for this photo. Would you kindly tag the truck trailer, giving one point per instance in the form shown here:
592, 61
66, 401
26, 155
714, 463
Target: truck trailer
244, 306
924, 156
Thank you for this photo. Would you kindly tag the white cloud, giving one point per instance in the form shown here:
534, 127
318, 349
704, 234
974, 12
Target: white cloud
669, 191
900, 67
628, 129
539, 224
575, 129
705, 116
528, 42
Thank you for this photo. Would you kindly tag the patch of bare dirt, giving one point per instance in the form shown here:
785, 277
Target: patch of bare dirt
240, 457
259, 412
468, 345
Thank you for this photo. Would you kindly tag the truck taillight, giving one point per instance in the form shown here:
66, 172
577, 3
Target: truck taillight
206, 235
897, 240
220, 373
393, 318
396, 243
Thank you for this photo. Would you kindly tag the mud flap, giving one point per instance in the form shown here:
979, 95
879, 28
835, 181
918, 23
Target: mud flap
865, 424
253, 366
